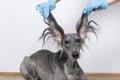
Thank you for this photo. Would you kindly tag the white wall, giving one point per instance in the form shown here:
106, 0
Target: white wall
21, 25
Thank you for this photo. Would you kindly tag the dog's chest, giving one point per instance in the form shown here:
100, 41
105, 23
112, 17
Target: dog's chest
72, 74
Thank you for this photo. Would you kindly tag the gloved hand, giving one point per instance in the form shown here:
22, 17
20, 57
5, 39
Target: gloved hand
45, 8
94, 5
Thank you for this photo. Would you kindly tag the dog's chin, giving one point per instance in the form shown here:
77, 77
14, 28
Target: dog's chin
75, 59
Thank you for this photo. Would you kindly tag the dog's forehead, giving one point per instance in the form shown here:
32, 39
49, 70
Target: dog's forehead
71, 36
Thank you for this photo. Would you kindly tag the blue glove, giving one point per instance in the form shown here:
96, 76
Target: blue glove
45, 8
94, 5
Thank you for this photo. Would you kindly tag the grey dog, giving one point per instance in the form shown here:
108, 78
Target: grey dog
62, 65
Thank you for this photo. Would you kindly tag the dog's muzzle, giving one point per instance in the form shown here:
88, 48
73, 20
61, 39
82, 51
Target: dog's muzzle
75, 55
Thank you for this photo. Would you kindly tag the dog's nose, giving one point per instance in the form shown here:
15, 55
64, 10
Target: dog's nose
75, 55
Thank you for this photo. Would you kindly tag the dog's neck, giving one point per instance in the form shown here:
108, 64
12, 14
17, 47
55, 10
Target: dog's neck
70, 64
67, 66
70, 69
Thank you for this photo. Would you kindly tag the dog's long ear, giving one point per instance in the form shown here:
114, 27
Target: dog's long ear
54, 29
84, 26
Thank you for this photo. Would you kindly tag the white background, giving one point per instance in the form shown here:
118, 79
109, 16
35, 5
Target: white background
21, 26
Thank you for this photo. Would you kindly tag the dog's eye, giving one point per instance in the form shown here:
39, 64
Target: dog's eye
77, 40
66, 42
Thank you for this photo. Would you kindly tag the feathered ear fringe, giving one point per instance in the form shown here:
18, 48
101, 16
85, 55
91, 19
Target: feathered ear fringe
46, 35
48, 41
54, 30
92, 28
84, 26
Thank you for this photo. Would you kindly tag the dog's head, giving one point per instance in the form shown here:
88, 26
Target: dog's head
70, 43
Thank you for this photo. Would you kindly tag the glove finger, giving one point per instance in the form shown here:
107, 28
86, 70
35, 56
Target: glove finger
52, 4
46, 12
85, 11
89, 10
